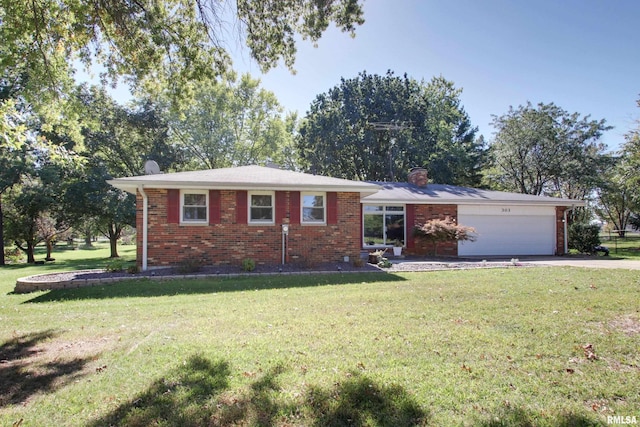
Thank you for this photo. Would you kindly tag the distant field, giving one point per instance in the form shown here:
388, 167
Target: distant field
521, 346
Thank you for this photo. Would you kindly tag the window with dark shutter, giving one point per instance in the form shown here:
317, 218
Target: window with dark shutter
173, 206
294, 208
332, 207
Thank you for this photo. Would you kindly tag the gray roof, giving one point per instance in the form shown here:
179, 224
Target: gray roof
267, 178
403, 192
244, 178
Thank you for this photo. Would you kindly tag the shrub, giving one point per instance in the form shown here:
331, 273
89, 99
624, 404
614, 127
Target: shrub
358, 262
115, 266
384, 263
13, 256
444, 230
248, 264
190, 265
584, 237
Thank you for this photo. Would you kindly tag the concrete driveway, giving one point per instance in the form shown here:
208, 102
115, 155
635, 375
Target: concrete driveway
587, 262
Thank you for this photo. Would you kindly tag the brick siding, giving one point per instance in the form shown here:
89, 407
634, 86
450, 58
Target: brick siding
560, 229
230, 242
421, 214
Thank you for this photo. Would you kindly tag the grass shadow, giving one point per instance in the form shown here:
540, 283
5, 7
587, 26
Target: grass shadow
362, 402
180, 399
197, 394
24, 371
170, 287
65, 264
519, 417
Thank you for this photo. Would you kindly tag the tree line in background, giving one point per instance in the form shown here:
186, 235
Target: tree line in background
61, 141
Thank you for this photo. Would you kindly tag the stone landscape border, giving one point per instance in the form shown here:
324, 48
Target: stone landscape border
38, 282
69, 280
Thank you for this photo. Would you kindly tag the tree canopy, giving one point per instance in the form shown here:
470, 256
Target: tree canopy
159, 46
618, 198
544, 149
231, 122
376, 127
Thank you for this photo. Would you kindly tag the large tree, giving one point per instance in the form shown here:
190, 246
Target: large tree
618, 199
37, 209
543, 149
231, 122
123, 138
617, 196
13, 156
376, 127
159, 45
100, 206
119, 139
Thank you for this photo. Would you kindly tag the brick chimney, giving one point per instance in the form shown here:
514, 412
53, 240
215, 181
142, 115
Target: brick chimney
418, 177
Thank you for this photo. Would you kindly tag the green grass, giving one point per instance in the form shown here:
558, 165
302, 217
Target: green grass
497, 347
623, 247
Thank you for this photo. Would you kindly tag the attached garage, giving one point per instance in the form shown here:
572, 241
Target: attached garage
509, 230
507, 224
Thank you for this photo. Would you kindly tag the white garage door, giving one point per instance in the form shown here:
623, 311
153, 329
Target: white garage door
508, 230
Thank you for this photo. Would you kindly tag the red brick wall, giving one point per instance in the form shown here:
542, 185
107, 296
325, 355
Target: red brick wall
560, 230
230, 242
422, 214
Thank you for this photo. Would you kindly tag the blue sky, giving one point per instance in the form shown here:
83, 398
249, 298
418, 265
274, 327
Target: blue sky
582, 55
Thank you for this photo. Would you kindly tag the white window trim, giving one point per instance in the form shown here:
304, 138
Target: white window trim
199, 221
384, 212
324, 207
273, 207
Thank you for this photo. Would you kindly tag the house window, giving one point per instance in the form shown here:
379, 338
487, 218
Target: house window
313, 208
383, 225
194, 206
261, 207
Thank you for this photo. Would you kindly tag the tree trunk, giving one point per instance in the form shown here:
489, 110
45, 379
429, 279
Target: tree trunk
49, 243
87, 240
2, 262
31, 259
113, 241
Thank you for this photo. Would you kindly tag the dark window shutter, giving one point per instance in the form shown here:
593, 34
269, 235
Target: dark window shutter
281, 206
173, 206
294, 211
411, 222
241, 207
214, 207
332, 207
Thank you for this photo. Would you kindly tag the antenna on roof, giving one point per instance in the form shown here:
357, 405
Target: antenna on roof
151, 167
393, 125
389, 127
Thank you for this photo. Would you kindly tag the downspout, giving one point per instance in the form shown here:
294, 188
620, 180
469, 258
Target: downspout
145, 221
566, 228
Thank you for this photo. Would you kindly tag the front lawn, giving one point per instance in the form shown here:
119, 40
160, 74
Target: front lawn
521, 346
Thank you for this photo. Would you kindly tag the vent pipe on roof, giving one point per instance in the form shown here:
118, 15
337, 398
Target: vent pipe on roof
418, 177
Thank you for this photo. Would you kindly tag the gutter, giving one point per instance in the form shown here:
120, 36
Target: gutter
145, 228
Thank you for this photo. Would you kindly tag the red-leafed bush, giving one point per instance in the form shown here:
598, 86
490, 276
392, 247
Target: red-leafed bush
444, 230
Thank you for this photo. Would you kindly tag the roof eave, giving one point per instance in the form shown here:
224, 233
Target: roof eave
559, 202
131, 186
